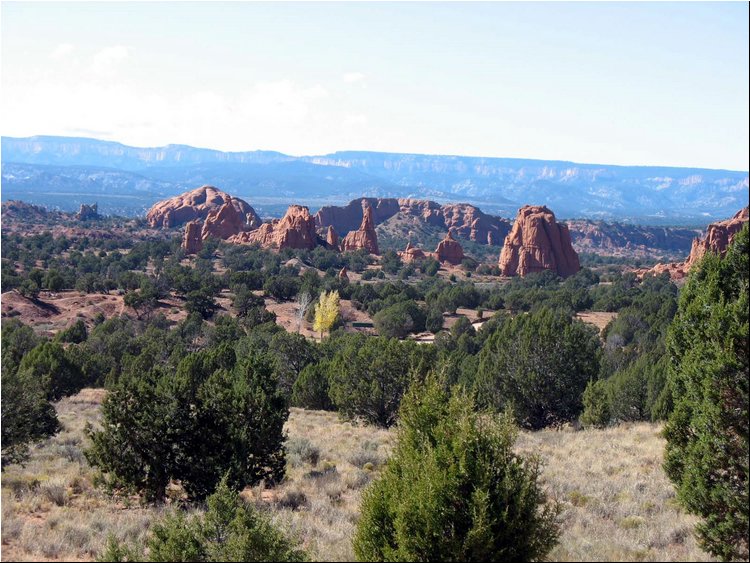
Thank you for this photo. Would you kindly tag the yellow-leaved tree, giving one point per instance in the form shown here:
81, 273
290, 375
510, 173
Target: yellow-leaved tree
326, 311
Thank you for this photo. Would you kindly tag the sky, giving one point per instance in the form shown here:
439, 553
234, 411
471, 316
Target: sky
609, 83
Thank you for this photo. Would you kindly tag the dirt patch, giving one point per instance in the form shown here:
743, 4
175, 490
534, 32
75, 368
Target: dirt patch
55, 311
597, 318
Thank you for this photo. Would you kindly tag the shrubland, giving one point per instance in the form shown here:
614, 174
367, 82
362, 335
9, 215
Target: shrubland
201, 403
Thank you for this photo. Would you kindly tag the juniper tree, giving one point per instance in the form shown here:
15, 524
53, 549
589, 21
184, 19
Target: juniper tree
707, 433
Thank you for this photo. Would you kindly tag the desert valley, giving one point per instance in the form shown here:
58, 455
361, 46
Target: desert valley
374, 281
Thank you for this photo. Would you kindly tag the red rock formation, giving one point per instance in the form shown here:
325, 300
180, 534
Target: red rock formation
536, 243
88, 212
197, 204
365, 237
718, 237
224, 222
449, 250
343, 275
465, 220
412, 254
332, 239
295, 230
192, 241
469, 222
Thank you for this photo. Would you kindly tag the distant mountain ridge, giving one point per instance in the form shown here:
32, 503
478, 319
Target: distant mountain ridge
659, 195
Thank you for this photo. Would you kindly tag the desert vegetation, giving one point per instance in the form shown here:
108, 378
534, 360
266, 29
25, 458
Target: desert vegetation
216, 415
616, 501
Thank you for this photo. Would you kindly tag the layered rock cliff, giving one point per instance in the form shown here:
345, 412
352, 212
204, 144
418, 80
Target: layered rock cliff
537, 243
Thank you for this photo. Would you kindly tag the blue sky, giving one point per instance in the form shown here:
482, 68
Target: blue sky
620, 83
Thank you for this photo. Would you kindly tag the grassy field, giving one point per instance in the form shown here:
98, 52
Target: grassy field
618, 504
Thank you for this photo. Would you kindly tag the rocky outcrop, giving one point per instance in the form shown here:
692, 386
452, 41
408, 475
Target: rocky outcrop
198, 204
469, 222
717, 240
364, 237
412, 254
226, 221
718, 237
536, 243
16, 209
449, 250
465, 220
88, 212
295, 230
192, 241
332, 239
343, 275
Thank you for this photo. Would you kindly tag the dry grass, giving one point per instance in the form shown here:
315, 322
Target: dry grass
51, 508
329, 463
618, 504
599, 319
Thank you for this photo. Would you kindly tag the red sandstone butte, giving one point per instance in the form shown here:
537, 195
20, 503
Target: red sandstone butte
449, 250
197, 204
538, 242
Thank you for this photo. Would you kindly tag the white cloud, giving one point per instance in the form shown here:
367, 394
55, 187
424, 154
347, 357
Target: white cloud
108, 58
61, 51
353, 77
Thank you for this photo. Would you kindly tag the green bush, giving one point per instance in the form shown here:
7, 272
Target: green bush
369, 376
76, 333
399, 320
49, 365
311, 390
454, 490
229, 530
597, 410
213, 416
707, 433
539, 364
27, 415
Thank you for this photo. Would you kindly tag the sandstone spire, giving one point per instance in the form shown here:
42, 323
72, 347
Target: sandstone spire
365, 237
